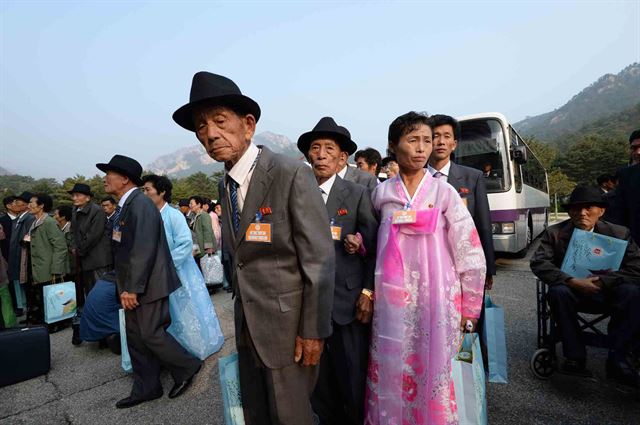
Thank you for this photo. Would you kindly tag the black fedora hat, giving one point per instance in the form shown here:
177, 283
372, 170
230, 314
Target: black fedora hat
213, 89
124, 165
327, 128
80, 188
25, 196
586, 195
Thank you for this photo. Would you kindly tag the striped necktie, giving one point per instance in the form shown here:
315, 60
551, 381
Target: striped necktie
235, 214
115, 220
437, 175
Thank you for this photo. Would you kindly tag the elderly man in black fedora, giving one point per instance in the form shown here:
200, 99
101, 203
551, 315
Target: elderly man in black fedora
90, 244
339, 394
618, 291
277, 248
145, 276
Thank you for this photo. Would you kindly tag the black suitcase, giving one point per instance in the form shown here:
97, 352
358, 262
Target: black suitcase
24, 354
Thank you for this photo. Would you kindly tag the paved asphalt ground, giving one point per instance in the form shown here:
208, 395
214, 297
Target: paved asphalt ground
85, 382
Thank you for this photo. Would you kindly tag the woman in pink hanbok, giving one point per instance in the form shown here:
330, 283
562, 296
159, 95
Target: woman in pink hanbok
428, 286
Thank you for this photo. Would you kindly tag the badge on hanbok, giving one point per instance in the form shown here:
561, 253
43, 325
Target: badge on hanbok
404, 217
336, 231
258, 232
116, 235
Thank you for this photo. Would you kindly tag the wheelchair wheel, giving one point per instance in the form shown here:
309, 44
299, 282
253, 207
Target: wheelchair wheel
543, 363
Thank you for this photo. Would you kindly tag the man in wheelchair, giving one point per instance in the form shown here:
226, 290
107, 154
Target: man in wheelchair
616, 292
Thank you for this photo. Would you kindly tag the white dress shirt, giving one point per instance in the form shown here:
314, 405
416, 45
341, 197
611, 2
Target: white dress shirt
325, 188
242, 171
125, 196
343, 172
444, 171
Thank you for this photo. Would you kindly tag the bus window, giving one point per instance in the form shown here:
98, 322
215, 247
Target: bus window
482, 146
517, 173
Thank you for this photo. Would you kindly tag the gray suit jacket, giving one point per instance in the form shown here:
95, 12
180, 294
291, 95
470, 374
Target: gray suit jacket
143, 262
358, 176
284, 288
353, 272
89, 238
547, 260
477, 204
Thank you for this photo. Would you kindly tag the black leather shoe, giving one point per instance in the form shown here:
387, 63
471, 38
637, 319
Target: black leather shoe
575, 368
75, 339
113, 342
181, 387
125, 403
622, 372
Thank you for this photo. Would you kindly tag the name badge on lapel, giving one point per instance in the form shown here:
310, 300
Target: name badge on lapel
404, 217
258, 232
336, 231
116, 235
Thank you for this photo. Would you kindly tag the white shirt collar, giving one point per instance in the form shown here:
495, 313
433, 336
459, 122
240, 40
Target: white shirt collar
444, 170
343, 172
67, 224
326, 187
12, 216
163, 207
125, 196
243, 167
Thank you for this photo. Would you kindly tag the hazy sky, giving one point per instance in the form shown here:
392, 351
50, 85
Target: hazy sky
81, 81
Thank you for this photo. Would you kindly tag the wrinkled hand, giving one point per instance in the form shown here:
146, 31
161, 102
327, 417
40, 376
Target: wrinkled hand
488, 282
463, 324
351, 244
308, 350
587, 286
364, 309
129, 300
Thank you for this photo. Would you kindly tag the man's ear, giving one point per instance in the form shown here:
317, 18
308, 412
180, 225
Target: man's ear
455, 145
250, 126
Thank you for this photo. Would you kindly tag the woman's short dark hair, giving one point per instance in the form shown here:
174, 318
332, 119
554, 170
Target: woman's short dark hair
197, 199
439, 119
65, 211
44, 200
160, 184
405, 124
8, 200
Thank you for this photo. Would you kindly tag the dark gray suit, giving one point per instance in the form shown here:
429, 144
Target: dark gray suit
21, 226
621, 292
283, 289
625, 201
356, 175
144, 266
477, 204
91, 243
339, 394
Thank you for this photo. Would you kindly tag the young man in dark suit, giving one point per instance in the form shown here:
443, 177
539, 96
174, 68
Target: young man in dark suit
277, 249
468, 182
145, 276
339, 395
618, 291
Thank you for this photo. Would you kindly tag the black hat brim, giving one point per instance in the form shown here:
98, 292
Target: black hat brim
137, 180
346, 144
71, 192
601, 204
184, 115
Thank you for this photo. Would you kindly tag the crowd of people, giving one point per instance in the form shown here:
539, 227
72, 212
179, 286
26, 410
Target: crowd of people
351, 294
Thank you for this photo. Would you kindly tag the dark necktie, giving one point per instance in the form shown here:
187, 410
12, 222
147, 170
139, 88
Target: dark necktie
235, 214
437, 174
115, 220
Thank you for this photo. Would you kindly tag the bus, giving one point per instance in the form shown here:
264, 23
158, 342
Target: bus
517, 183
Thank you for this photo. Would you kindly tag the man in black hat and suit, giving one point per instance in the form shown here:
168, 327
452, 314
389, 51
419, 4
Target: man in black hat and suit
21, 225
277, 249
145, 276
617, 291
90, 244
339, 394
353, 174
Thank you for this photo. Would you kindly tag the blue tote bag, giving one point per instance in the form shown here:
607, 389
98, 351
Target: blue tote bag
125, 361
59, 301
495, 342
230, 388
467, 373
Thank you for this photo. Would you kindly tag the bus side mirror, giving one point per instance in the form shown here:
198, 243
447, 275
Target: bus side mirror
519, 154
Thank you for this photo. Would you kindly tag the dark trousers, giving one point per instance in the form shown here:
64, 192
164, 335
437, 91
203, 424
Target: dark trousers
622, 301
151, 347
35, 302
339, 394
273, 396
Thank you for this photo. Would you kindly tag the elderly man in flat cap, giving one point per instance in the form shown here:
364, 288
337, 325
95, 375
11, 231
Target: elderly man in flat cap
145, 276
277, 248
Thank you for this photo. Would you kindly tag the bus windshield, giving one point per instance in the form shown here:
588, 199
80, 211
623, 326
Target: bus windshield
482, 146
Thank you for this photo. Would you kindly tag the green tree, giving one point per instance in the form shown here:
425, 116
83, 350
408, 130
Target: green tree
546, 153
585, 160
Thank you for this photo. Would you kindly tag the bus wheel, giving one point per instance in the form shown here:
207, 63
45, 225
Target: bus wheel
529, 237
